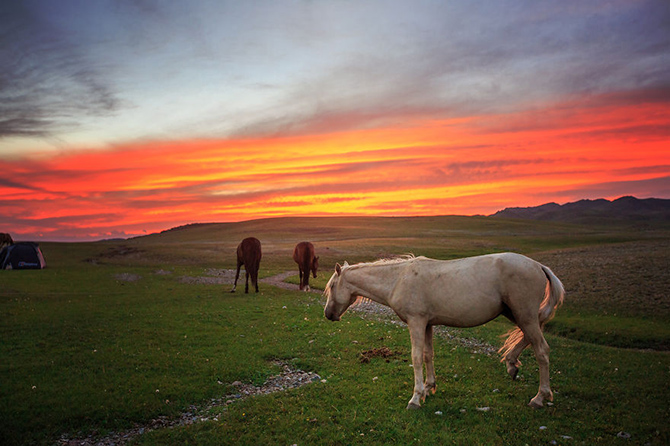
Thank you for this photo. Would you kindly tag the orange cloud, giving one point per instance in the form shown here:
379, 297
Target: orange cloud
426, 167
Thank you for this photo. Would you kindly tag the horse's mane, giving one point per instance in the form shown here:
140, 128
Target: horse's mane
385, 261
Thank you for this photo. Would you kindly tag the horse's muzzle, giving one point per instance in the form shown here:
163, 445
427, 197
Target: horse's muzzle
330, 315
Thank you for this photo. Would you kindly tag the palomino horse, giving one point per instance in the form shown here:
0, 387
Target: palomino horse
459, 293
5, 239
249, 255
303, 255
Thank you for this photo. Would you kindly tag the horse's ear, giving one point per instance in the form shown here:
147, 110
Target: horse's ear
346, 263
338, 269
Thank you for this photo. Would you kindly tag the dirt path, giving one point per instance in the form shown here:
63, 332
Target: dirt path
278, 281
368, 307
227, 277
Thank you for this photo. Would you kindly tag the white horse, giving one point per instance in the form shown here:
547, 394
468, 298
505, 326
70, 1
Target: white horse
459, 293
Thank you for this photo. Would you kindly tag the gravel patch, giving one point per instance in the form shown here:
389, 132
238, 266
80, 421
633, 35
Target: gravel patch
127, 277
288, 378
385, 314
213, 276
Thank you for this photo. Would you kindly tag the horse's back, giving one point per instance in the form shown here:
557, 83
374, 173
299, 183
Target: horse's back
303, 251
469, 291
249, 251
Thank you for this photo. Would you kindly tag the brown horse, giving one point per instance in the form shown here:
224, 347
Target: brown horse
249, 255
303, 254
5, 239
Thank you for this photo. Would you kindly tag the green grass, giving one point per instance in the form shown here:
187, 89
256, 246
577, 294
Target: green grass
85, 351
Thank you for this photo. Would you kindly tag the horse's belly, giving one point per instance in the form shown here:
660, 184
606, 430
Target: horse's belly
467, 307
467, 315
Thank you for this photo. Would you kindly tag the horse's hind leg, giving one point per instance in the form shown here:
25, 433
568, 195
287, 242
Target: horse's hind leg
254, 278
237, 276
305, 267
541, 349
511, 358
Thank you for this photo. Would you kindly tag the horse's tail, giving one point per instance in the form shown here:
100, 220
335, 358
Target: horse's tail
554, 295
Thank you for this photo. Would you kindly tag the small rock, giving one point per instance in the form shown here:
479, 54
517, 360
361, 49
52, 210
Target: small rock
624, 435
543, 428
484, 409
496, 390
439, 412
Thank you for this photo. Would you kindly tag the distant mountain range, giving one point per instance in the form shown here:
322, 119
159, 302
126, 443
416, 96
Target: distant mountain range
624, 210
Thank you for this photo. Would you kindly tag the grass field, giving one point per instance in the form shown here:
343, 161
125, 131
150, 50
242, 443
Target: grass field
111, 336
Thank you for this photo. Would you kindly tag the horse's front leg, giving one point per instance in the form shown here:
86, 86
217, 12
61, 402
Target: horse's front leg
430, 384
417, 332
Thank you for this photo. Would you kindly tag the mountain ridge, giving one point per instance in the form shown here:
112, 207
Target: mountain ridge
623, 210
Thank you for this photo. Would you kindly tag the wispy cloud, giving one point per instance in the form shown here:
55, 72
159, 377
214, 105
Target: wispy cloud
46, 82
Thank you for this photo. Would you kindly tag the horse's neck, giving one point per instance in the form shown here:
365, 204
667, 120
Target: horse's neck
376, 282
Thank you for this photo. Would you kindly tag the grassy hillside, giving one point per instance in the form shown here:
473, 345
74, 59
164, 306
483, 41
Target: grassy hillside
110, 335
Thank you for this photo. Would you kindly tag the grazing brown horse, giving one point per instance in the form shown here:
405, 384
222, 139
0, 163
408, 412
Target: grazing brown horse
249, 255
303, 254
5, 239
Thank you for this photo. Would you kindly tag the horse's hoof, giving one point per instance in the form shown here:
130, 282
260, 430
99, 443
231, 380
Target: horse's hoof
512, 371
413, 406
535, 404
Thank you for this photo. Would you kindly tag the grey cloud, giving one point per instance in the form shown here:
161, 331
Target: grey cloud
45, 80
479, 58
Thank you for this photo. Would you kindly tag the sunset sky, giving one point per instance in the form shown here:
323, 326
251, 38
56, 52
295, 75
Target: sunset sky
126, 117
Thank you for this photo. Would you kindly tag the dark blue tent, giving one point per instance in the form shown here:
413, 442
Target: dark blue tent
22, 255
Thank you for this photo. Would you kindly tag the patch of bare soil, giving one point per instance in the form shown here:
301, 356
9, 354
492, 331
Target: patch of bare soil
382, 352
288, 378
627, 278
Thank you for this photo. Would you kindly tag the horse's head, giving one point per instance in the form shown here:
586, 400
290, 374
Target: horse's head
339, 295
315, 266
